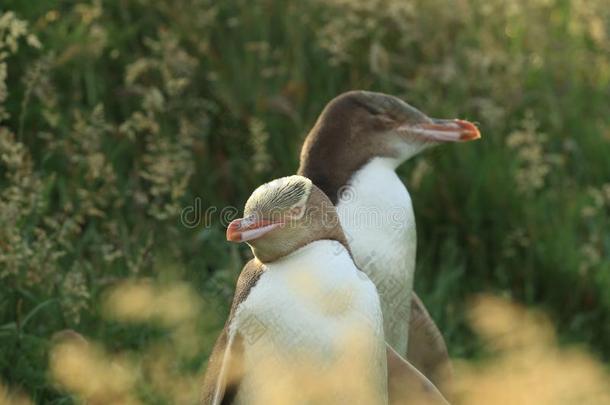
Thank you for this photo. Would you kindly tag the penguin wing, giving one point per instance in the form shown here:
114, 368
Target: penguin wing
222, 375
407, 385
224, 370
427, 350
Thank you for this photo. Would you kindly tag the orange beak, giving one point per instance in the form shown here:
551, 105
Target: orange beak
440, 130
245, 229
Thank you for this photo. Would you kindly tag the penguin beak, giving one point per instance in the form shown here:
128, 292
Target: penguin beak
440, 130
249, 228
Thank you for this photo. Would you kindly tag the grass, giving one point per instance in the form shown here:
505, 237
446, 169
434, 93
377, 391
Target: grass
131, 111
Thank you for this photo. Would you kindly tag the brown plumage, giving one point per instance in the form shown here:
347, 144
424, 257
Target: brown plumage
427, 349
407, 385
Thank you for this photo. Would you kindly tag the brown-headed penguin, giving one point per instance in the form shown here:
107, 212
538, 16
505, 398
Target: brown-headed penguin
305, 326
351, 154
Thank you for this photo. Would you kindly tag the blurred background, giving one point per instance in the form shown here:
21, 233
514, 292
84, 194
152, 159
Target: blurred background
118, 117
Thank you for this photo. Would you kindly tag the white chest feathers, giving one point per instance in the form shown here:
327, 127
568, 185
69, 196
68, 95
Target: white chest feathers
312, 332
377, 216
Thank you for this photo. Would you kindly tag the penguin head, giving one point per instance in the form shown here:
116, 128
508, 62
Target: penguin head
357, 126
283, 215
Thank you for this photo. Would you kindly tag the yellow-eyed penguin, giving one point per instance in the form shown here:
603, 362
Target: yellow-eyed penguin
305, 326
351, 154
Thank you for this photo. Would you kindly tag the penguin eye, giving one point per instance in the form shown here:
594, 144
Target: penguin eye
371, 109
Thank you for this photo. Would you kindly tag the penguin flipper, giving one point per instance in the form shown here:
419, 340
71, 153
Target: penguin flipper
223, 373
225, 368
406, 384
427, 350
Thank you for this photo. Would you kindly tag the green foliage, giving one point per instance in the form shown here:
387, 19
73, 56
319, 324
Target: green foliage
115, 116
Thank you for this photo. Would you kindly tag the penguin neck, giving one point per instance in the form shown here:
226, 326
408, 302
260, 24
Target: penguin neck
376, 212
406, 150
317, 252
332, 167
377, 185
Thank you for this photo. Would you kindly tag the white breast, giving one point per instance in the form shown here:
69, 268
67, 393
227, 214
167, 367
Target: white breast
312, 332
377, 216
